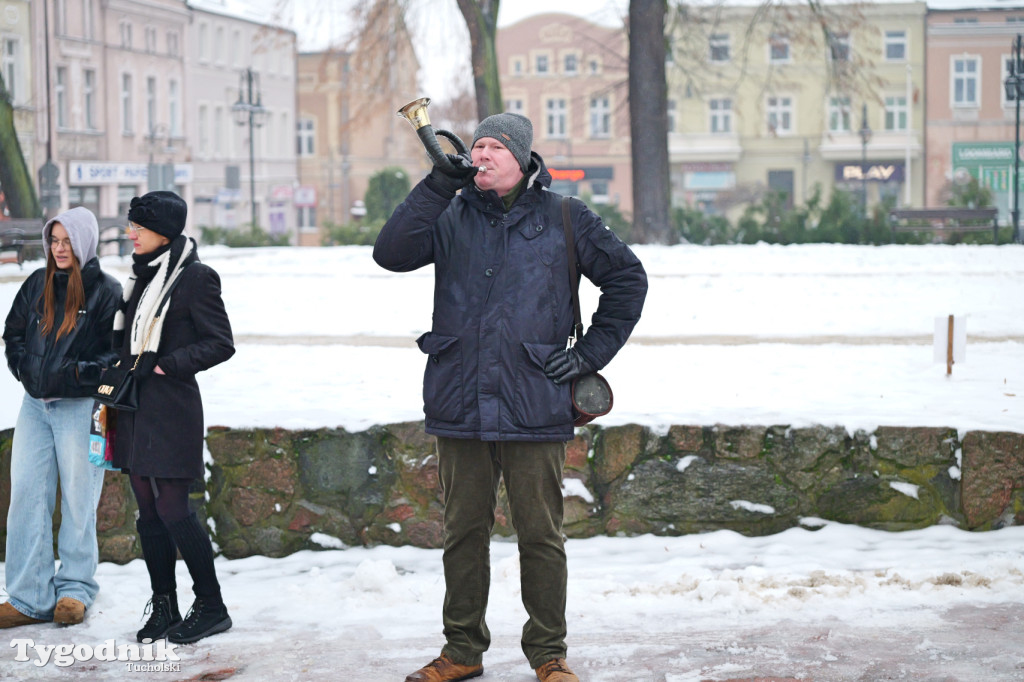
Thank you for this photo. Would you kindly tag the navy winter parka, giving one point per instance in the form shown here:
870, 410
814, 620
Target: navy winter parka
502, 304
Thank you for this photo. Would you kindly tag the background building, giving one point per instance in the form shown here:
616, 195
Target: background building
233, 58
970, 118
348, 128
768, 101
569, 77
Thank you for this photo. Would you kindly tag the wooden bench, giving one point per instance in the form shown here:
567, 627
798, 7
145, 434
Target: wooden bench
944, 221
15, 247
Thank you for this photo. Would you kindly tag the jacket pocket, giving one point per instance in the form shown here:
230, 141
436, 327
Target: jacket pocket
539, 401
442, 379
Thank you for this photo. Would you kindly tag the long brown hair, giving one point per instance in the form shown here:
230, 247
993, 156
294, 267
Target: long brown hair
73, 301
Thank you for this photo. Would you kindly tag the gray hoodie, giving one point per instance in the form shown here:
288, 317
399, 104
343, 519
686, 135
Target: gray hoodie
83, 231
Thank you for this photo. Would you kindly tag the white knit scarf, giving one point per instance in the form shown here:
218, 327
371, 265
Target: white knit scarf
154, 300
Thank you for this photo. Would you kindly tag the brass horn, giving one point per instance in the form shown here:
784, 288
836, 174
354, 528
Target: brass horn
416, 113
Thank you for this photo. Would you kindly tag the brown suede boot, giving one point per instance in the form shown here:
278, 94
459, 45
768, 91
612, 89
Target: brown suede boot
11, 617
444, 669
69, 611
556, 670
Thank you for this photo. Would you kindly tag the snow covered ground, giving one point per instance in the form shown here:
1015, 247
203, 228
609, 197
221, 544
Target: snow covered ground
735, 335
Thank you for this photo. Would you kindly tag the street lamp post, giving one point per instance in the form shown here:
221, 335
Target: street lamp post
249, 110
1015, 90
865, 137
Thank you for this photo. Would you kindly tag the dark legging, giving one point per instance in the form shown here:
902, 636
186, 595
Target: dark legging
166, 526
161, 499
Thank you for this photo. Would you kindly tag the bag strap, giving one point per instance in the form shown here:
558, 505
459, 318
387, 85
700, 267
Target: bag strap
574, 279
156, 318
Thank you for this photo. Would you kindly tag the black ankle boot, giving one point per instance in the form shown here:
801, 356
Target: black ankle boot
163, 615
205, 618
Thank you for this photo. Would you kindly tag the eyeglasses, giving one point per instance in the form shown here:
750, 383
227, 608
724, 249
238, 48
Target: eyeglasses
134, 228
54, 242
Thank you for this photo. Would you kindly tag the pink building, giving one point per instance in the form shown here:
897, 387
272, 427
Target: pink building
569, 76
970, 130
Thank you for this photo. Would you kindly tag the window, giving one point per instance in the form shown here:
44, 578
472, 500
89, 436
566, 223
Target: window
778, 48
895, 46
218, 131
126, 103
719, 47
61, 90
204, 131
542, 64
965, 20
9, 68
150, 36
60, 8
599, 191
126, 34
965, 82
218, 45
600, 117
236, 48
896, 113
839, 47
839, 114
780, 115
782, 181
172, 43
150, 104
306, 135
671, 116
594, 66
515, 106
517, 67
306, 216
89, 93
174, 109
720, 115
555, 118
87, 21
571, 65
203, 41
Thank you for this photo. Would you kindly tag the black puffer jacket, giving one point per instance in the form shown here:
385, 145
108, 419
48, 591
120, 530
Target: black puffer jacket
69, 367
502, 304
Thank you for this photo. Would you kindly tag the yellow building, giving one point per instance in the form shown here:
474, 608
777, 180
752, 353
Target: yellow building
780, 98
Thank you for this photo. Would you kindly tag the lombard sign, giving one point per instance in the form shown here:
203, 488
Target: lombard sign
873, 172
990, 162
93, 173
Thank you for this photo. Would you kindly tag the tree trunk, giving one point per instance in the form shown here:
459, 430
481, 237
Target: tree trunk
648, 123
482, 21
15, 179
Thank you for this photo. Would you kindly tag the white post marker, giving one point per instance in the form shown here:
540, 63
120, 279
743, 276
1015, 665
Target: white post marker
950, 343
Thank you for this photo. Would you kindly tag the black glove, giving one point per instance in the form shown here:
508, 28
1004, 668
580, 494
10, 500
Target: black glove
566, 365
445, 182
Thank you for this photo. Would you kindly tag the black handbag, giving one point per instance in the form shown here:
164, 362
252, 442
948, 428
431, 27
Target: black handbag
119, 387
591, 393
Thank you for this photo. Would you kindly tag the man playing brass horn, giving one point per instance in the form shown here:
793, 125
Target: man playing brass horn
496, 385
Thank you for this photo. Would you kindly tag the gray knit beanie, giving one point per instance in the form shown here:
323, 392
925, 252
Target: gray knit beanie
82, 229
512, 130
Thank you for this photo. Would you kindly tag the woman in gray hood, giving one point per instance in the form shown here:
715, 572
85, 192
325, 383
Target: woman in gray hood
57, 341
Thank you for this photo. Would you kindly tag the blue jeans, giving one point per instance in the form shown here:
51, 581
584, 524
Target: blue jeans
51, 439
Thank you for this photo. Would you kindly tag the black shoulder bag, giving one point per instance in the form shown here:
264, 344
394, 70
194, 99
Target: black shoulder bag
591, 393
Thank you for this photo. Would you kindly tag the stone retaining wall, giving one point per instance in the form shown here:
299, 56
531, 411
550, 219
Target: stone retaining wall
273, 492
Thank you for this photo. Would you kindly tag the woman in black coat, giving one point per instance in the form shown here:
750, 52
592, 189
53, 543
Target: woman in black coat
173, 323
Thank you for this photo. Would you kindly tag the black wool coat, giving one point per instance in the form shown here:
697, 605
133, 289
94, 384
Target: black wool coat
503, 304
164, 438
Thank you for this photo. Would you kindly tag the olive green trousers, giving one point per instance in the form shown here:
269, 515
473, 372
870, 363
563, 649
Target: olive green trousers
470, 471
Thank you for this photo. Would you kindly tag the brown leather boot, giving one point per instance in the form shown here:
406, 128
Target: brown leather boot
556, 670
444, 669
69, 611
11, 617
